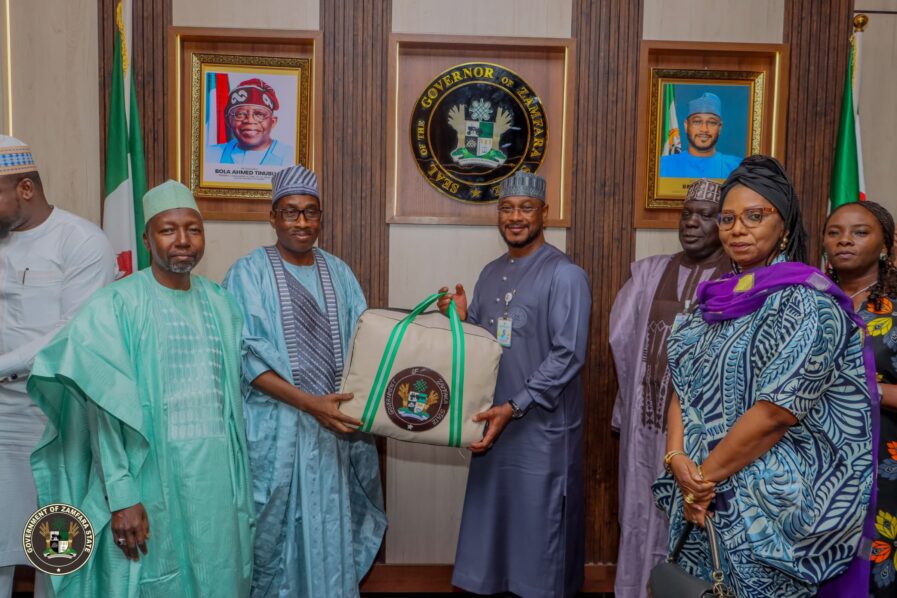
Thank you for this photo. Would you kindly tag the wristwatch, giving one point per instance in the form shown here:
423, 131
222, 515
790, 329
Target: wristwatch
516, 412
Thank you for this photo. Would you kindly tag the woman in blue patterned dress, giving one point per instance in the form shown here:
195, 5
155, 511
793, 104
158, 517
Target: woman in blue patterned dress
858, 240
771, 433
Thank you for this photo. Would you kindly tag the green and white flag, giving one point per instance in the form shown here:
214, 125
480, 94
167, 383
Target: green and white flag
848, 184
125, 167
672, 143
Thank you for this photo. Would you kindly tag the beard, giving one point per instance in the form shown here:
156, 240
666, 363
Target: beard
6, 226
532, 236
704, 148
181, 267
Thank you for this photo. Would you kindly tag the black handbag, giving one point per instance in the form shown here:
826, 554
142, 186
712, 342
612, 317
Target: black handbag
669, 580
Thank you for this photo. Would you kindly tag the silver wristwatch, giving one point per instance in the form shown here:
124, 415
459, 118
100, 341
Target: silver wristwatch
516, 412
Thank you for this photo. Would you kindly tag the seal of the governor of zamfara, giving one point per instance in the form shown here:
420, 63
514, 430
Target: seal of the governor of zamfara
473, 126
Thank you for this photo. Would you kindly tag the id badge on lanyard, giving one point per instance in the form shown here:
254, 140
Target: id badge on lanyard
681, 316
505, 324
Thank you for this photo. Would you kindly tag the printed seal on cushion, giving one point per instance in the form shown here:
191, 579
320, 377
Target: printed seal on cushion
417, 399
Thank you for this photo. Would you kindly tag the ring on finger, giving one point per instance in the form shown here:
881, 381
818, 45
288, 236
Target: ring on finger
690, 498
120, 541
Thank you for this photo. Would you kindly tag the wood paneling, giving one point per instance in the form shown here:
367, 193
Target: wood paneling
819, 35
352, 171
149, 53
601, 240
353, 164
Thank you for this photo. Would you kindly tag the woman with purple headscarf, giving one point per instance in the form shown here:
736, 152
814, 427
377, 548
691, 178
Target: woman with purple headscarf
771, 431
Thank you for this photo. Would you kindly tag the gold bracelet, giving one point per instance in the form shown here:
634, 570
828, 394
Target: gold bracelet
668, 458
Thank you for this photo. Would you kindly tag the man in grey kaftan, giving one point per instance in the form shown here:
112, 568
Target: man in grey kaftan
640, 322
523, 526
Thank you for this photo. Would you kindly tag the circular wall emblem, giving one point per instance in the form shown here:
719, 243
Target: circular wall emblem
417, 399
475, 125
58, 539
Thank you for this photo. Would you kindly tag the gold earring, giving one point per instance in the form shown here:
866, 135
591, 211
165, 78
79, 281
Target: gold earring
784, 243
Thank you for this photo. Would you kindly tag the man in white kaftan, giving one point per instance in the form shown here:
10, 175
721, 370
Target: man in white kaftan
51, 262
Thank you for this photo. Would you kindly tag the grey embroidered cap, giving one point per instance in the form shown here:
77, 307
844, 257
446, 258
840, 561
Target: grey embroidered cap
294, 180
523, 184
703, 190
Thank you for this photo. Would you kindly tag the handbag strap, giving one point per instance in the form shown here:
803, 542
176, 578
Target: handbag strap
389, 355
719, 582
720, 589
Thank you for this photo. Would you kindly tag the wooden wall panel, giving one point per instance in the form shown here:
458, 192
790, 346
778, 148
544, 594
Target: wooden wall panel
353, 166
601, 239
819, 34
149, 52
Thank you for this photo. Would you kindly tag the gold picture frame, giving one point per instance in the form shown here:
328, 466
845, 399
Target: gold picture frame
227, 159
669, 192
702, 108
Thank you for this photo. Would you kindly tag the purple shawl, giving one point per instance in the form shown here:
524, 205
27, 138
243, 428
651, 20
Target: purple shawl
736, 295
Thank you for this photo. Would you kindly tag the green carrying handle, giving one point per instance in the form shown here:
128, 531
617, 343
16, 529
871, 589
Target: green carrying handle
389, 356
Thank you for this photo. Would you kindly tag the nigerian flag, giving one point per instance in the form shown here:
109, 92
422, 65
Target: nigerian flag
125, 169
847, 174
672, 144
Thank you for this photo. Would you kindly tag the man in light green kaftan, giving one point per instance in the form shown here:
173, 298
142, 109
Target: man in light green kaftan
146, 433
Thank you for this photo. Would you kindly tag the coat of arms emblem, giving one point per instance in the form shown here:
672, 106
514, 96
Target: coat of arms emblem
58, 544
479, 138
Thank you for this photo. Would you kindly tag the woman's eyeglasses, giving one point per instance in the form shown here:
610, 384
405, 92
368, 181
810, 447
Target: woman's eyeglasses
750, 218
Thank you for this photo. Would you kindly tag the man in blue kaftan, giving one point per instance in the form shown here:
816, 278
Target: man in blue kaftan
316, 481
523, 526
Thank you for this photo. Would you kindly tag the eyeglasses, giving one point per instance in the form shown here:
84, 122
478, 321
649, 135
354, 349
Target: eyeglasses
526, 210
750, 218
254, 115
292, 215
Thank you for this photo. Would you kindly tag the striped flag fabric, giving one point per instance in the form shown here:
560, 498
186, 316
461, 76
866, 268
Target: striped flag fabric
125, 181
848, 183
217, 90
672, 143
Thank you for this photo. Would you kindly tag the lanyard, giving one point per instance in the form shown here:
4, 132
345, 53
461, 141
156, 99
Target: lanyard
509, 296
